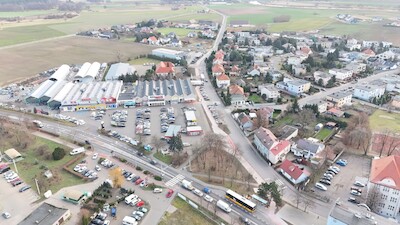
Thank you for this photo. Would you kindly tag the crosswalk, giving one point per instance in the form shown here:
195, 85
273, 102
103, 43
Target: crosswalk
178, 178
279, 183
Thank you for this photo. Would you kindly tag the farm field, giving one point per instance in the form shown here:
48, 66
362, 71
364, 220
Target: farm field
28, 13
180, 32
197, 16
141, 61
37, 57
382, 120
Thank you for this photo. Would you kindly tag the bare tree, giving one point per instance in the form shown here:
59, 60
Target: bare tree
393, 145
305, 117
382, 139
308, 203
157, 143
298, 199
373, 197
261, 120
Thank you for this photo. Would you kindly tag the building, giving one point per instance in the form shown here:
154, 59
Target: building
342, 215
269, 146
325, 77
294, 60
368, 92
245, 122
356, 67
167, 53
339, 99
119, 69
13, 155
39, 92
173, 130
237, 95
270, 91
294, 86
61, 73
223, 81
52, 91
74, 196
47, 214
307, 148
165, 69
322, 105
341, 74
299, 70
396, 102
82, 72
293, 172
335, 112
287, 132
194, 131
217, 70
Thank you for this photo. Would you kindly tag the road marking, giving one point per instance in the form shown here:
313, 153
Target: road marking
279, 183
178, 178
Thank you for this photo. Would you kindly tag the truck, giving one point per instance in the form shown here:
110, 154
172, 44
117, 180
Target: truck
38, 123
187, 184
77, 151
129, 221
197, 82
206, 190
224, 206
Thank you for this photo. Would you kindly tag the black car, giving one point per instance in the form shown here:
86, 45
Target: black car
140, 154
87, 142
353, 200
324, 181
153, 162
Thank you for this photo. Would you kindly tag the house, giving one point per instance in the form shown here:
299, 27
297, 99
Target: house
341, 74
325, 77
335, 112
219, 54
165, 69
192, 34
237, 95
217, 70
384, 186
356, 67
306, 50
386, 55
322, 105
294, 60
12, 155
287, 132
269, 146
245, 122
223, 81
296, 87
370, 44
218, 61
307, 148
276, 75
176, 42
299, 70
153, 41
235, 71
368, 92
339, 99
266, 112
293, 172
270, 91
254, 72
368, 52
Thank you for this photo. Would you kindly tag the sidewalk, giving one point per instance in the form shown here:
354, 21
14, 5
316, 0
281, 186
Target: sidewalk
55, 139
299, 217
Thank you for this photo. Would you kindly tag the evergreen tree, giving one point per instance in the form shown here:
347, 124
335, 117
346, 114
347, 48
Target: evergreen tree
228, 100
268, 78
295, 106
320, 82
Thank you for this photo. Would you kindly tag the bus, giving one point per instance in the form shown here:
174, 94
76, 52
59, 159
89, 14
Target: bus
240, 201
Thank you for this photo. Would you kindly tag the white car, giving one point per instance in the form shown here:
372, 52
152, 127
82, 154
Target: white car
130, 177
320, 186
6, 215
95, 155
354, 192
97, 168
198, 192
157, 190
208, 198
359, 184
135, 201
328, 175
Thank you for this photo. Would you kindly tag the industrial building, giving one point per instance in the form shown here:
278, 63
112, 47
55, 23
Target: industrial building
158, 92
47, 214
88, 72
118, 69
168, 53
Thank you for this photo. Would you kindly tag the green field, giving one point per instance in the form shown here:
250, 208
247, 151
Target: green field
180, 32
142, 61
382, 120
323, 133
28, 13
197, 16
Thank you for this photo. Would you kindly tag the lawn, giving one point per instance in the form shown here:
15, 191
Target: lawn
33, 166
197, 16
382, 120
287, 119
184, 215
323, 134
180, 32
167, 159
142, 61
255, 98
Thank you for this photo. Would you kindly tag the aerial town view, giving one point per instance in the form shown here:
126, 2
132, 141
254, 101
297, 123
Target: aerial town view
176, 112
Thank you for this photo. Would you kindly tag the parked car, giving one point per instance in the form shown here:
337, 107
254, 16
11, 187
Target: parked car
354, 192
6, 215
356, 189
157, 190
208, 198
25, 188
198, 192
138, 181
328, 175
143, 209
140, 204
320, 186
141, 214
353, 200
341, 162
170, 193
95, 155
359, 184
324, 181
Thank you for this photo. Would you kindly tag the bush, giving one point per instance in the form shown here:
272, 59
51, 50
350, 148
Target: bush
58, 153
146, 172
158, 178
138, 168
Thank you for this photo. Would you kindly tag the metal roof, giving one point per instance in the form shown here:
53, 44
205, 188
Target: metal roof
45, 214
93, 71
83, 70
68, 98
117, 70
39, 92
55, 88
61, 73
63, 93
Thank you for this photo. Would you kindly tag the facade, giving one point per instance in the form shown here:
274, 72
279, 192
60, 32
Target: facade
296, 87
270, 91
165, 69
167, 53
294, 60
47, 214
341, 74
223, 81
356, 67
340, 99
384, 186
293, 172
322, 105
119, 69
194, 131
245, 122
269, 146
396, 101
368, 92
39, 92
237, 95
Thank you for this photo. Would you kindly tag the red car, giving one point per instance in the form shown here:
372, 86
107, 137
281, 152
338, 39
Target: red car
170, 193
138, 181
139, 204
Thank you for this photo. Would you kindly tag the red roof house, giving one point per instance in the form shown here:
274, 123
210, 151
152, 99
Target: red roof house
217, 70
165, 69
293, 172
368, 52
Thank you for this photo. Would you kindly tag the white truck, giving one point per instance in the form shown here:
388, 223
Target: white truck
38, 123
77, 151
130, 198
129, 221
187, 184
224, 206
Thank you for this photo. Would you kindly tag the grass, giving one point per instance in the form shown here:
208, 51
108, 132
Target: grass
142, 61
184, 215
276, 114
197, 16
288, 119
30, 167
255, 98
382, 120
167, 159
235, 186
28, 13
180, 32
323, 133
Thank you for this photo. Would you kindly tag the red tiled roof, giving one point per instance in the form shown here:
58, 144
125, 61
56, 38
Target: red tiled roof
266, 111
244, 119
386, 168
235, 68
165, 67
306, 50
267, 138
152, 38
369, 52
235, 89
219, 54
282, 145
293, 170
223, 77
217, 68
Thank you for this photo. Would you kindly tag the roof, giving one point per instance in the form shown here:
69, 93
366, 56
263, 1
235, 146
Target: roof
166, 51
344, 215
218, 68
287, 131
340, 94
306, 50
45, 214
193, 128
73, 194
93, 70
54, 89
243, 118
291, 169
386, 171
119, 69
265, 111
235, 68
165, 67
368, 52
12, 153
219, 54
336, 111
39, 92
83, 70
267, 138
63, 92
61, 73
236, 90
173, 130
152, 38
190, 115
223, 77
282, 145
309, 145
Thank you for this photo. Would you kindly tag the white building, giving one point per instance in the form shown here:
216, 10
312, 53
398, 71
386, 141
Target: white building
119, 69
356, 67
270, 91
384, 186
294, 60
167, 53
369, 44
339, 99
322, 105
296, 87
325, 77
223, 81
341, 74
368, 92
269, 146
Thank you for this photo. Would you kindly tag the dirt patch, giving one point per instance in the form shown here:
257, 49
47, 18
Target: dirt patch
28, 60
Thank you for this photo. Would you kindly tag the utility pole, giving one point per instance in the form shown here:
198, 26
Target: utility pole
15, 165
37, 186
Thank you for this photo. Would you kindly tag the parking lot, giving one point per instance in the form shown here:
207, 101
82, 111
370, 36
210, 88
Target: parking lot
357, 168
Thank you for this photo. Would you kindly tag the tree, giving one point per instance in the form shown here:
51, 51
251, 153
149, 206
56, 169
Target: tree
320, 82
261, 120
116, 177
295, 106
331, 82
308, 203
235, 56
373, 197
265, 190
298, 199
268, 78
228, 99
157, 142
34, 110
176, 144
58, 153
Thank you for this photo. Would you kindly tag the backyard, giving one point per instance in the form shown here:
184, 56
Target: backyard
381, 120
255, 98
323, 134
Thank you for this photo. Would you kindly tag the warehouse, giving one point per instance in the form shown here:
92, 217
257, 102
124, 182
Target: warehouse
39, 92
173, 130
82, 72
55, 102
52, 91
61, 73
167, 53
118, 69
47, 214
190, 116
194, 131
88, 72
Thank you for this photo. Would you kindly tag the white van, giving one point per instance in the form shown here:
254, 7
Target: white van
224, 206
77, 151
129, 221
130, 198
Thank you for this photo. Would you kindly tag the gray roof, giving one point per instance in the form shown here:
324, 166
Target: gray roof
347, 216
308, 145
340, 94
45, 214
297, 82
366, 87
119, 69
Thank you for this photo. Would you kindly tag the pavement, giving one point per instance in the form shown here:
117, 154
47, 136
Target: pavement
299, 217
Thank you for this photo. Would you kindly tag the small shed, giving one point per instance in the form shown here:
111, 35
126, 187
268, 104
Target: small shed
12, 154
318, 127
330, 124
